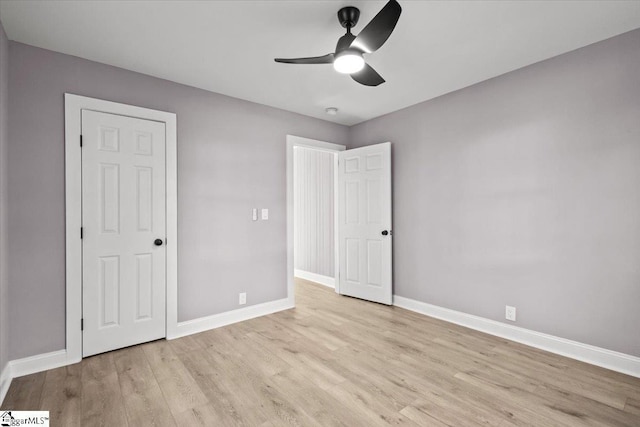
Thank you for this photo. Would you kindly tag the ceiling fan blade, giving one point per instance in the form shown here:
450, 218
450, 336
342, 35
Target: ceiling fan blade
326, 59
373, 36
368, 76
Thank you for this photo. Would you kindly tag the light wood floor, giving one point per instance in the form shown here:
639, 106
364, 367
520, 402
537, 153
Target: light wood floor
331, 361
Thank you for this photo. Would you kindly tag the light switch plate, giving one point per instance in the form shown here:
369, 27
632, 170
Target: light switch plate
265, 214
242, 298
254, 213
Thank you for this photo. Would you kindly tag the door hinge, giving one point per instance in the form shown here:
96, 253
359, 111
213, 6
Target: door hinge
81, 232
80, 140
82, 324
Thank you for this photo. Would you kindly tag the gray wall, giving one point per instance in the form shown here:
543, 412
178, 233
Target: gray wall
231, 158
525, 190
522, 190
314, 239
4, 291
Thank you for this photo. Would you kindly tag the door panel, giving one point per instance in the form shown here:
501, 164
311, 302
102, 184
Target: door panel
351, 202
364, 212
374, 262
110, 198
123, 212
144, 197
144, 286
109, 292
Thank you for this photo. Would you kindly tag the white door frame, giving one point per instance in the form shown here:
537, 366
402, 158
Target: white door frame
74, 104
297, 141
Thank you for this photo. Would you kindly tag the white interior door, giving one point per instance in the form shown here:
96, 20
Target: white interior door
123, 213
364, 223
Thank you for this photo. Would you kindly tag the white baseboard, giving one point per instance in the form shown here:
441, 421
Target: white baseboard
31, 365
318, 278
609, 359
39, 363
223, 319
5, 382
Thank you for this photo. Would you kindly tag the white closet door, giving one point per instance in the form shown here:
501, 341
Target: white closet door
123, 215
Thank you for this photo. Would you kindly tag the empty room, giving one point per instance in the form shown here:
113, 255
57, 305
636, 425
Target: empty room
319, 213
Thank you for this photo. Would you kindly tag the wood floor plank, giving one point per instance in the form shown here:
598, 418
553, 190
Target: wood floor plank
102, 402
96, 367
321, 406
251, 389
148, 407
318, 335
134, 371
539, 411
332, 361
590, 411
25, 393
305, 356
370, 405
455, 409
429, 415
185, 345
62, 395
546, 372
205, 415
159, 352
632, 406
224, 404
179, 388
264, 361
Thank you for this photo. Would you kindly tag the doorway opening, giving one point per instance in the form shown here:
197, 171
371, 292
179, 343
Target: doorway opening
312, 200
361, 220
314, 186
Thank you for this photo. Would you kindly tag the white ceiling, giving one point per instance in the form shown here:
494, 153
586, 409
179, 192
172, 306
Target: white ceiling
228, 46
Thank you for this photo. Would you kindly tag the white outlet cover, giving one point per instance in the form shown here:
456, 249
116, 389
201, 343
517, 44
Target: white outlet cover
265, 214
510, 313
242, 298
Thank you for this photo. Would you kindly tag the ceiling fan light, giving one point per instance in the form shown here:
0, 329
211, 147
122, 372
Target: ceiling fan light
348, 62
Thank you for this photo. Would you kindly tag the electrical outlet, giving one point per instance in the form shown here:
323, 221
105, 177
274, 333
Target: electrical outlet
242, 298
510, 313
265, 214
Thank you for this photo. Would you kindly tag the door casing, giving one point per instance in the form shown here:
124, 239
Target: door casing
74, 104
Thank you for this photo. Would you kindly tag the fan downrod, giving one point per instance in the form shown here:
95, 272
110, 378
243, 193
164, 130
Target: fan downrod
348, 16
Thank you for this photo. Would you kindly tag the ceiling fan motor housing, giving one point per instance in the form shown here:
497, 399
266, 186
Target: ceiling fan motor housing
344, 42
348, 16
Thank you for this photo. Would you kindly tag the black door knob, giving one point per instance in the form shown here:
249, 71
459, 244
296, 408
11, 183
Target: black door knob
157, 242
385, 232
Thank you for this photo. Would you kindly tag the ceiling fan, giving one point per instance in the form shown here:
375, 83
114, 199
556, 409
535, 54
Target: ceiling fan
348, 57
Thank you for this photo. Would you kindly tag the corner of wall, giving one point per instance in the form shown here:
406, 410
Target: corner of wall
5, 377
5, 382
